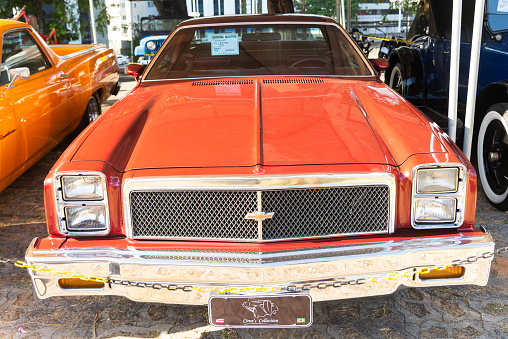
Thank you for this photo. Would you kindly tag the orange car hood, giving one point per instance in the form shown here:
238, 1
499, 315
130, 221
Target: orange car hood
244, 123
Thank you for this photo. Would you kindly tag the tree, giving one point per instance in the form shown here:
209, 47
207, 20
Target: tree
327, 7
171, 8
280, 6
65, 18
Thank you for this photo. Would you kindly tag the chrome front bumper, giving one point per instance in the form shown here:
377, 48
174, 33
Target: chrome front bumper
269, 269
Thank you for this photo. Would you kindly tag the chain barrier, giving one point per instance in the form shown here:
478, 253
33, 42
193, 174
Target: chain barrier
406, 273
385, 39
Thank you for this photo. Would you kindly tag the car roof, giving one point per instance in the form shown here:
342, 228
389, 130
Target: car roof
257, 18
9, 24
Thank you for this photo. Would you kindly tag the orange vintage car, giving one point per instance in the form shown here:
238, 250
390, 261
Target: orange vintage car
259, 166
46, 92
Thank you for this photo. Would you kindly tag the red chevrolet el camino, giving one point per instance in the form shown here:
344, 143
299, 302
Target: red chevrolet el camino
259, 165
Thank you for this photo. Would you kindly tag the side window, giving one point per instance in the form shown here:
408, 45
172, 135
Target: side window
19, 49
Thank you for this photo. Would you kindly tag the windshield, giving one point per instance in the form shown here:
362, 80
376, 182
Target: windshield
290, 49
497, 11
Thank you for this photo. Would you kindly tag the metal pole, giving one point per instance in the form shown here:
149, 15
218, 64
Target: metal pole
474, 65
454, 69
337, 9
400, 17
349, 15
92, 17
343, 13
131, 57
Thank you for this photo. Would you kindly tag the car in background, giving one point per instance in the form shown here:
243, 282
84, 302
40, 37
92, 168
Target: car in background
123, 61
153, 31
421, 73
259, 162
46, 92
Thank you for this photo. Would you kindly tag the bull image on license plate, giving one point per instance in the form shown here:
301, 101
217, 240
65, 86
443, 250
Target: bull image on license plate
284, 310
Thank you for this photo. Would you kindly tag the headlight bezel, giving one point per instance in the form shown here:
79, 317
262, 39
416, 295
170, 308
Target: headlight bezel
459, 195
61, 203
151, 43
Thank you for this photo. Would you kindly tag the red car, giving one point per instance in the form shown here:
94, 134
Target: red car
259, 155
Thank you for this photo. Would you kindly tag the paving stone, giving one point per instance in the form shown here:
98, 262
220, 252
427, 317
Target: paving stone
417, 309
10, 314
344, 332
24, 299
465, 333
158, 312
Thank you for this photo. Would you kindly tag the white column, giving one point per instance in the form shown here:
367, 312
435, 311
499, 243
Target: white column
92, 18
454, 69
474, 66
400, 17
343, 14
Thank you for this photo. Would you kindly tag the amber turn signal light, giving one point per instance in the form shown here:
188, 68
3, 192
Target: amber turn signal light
447, 273
76, 283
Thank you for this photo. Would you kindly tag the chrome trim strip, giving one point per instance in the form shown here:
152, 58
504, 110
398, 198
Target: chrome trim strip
84, 51
258, 183
281, 268
459, 195
367, 77
260, 222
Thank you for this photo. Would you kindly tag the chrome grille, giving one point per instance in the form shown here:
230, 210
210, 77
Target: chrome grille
193, 214
298, 213
324, 212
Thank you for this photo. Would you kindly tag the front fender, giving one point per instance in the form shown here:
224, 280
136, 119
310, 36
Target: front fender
492, 94
412, 72
139, 50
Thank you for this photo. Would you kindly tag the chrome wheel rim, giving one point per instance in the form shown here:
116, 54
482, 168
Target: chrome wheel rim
397, 81
93, 110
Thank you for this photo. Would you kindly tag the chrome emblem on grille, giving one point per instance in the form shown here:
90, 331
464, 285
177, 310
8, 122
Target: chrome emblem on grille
259, 216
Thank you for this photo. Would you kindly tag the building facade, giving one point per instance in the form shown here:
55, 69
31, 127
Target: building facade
126, 15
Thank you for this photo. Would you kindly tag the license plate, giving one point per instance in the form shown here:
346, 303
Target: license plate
384, 50
273, 310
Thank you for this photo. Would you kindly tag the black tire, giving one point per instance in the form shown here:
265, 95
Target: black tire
492, 154
92, 112
396, 79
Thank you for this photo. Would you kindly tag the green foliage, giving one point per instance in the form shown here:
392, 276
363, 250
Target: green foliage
65, 17
409, 5
7, 6
327, 7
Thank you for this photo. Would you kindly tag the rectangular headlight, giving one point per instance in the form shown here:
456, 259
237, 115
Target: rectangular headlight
435, 210
437, 180
83, 187
85, 218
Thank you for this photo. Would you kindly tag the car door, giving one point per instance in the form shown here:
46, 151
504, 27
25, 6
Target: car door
40, 102
11, 154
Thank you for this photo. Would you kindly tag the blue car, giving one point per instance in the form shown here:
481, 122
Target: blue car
421, 72
153, 30
147, 48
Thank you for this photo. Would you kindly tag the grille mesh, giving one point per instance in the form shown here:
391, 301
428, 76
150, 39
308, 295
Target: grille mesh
194, 214
293, 81
222, 82
299, 213
322, 212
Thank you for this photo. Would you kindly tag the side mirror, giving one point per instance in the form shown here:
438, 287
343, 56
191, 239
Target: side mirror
17, 74
136, 70
380, 64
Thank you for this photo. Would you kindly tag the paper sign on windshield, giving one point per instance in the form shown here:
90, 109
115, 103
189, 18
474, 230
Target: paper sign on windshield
225, 44
502, 6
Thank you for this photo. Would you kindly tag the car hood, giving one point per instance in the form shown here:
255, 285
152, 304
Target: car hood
269, 122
